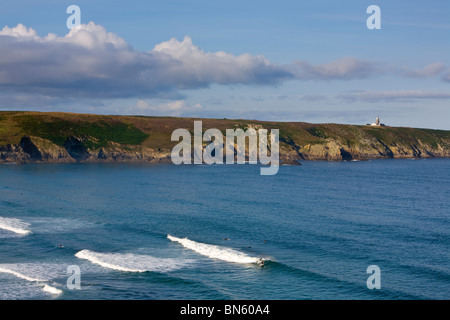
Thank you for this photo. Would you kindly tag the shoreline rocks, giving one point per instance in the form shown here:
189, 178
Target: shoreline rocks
38, 150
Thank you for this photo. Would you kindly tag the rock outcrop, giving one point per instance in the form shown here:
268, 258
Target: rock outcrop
333, 150
34, 149
76, 149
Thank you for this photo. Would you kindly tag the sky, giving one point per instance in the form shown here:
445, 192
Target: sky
311, 61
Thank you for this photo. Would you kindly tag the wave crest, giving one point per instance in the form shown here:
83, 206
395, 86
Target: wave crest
21, 271
14, 225
215, 252
20, 275
129, 262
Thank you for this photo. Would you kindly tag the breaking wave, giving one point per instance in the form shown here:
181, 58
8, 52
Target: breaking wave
20, 275
129, 262
20, 271
14, 225
52, 290
215, 252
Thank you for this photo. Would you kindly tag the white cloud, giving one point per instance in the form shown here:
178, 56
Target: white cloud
347, 68
428, 71
351, 68
20, 31
217, 67
91, 62
175, 108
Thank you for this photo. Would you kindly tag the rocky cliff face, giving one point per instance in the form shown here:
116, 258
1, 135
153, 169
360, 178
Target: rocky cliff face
344, 143
335, 150
75, 149
34, 149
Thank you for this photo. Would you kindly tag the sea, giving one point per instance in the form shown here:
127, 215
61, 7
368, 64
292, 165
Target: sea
356, 230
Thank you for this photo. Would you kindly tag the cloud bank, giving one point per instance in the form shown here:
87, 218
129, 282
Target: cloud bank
347, 68
91, 62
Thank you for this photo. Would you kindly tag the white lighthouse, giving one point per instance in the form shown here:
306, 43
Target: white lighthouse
377, 123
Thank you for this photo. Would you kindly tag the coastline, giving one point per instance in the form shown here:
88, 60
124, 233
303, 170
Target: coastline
14, 154
39, 137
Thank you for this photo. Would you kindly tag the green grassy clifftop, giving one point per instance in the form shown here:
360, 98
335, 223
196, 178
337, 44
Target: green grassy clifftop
68, 137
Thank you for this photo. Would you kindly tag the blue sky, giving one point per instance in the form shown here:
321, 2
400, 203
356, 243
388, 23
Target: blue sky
312, 61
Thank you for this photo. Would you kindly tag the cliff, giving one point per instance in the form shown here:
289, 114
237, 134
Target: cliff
67, 137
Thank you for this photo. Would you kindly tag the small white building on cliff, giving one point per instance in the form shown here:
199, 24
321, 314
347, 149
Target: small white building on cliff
377, 123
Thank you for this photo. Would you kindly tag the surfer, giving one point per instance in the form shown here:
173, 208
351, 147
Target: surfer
260, 262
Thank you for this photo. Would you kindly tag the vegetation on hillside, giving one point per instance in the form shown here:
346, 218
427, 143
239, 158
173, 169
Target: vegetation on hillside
297, 139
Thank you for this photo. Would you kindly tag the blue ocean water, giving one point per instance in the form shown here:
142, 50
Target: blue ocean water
318, 226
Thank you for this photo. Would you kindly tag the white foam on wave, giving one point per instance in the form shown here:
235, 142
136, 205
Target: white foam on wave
215, 252
52, 290
23, 271
20, 275
38, 271
130, 262
14, 225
